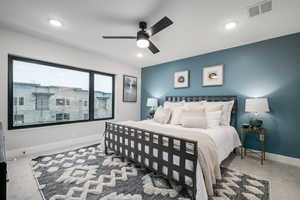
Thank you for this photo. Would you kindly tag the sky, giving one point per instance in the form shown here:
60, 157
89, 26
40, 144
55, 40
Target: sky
52, 76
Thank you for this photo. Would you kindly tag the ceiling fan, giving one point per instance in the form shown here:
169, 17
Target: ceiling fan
143, 36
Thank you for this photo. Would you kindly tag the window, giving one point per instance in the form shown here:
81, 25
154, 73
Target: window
62, 116
50, 89
15, 101
86, 116
103, 96
60, 102
66, 116
19, 118
21, 101
59, 116
18, 101
41, 101
85, 103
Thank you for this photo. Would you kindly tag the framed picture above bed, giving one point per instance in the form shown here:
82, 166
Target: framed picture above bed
129, 88
213, 75
181, 79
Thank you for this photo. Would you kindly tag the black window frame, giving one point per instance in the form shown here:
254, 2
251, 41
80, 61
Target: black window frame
12, 58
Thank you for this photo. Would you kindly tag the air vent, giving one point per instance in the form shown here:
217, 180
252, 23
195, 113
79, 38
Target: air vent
266, 7
260, 8
254, 11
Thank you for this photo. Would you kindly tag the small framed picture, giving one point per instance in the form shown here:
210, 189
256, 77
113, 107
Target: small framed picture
129, 88
181, 79
212, 76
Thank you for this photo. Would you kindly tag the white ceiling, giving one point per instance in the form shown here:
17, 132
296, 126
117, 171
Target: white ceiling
198, 25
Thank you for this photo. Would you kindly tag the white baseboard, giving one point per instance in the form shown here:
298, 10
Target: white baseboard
92, 139
282, 159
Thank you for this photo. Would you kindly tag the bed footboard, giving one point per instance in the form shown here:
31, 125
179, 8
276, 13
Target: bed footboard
167, 156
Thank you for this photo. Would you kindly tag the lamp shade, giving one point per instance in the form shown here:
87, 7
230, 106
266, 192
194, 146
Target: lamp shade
152, 102
257, 105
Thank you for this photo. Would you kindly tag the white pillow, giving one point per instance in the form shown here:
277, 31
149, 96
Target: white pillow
194, 105
172, 105
194, 119
226, 110
213, 119
162, 115
213, 108
176, 115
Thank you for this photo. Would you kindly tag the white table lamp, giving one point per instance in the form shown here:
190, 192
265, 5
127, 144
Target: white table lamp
153, 103
257, 105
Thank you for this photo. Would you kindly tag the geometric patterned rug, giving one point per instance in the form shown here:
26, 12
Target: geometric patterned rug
88, 174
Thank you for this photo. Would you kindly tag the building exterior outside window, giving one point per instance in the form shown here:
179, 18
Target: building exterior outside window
19, 119
42, 93
46, 105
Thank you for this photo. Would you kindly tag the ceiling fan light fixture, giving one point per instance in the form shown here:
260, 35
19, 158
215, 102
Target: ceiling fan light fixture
143, 43
143, 35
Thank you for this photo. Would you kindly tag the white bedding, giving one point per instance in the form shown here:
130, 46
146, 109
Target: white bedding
225, 138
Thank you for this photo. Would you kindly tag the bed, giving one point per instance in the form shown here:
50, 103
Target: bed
172, 151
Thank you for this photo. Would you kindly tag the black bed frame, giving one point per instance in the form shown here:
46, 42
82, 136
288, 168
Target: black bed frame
118, 138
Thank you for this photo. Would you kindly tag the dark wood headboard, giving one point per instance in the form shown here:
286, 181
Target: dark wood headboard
233, 121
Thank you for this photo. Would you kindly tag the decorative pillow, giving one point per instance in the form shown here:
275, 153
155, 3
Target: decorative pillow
213, 108
172, 105
176, 115
194, 105
194, 119
162, 115
226, 110
213, 119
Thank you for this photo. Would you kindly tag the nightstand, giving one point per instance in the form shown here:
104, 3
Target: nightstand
260, 134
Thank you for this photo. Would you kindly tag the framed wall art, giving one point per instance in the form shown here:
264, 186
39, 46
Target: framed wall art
181, 79
129, 88
213, 75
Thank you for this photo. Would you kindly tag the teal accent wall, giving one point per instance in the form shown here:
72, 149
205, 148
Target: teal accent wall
269, 68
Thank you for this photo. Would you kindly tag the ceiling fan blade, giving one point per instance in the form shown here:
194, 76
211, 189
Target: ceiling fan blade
160, 25
153, 48
119, 37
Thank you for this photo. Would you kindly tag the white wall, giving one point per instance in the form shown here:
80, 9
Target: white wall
27, 46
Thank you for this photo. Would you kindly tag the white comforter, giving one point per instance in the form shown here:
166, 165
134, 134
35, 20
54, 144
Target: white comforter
225, 138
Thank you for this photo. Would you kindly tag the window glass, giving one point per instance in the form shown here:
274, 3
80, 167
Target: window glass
103, 100
46, 88
43, 93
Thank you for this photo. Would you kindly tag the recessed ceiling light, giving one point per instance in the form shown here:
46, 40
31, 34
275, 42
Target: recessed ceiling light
231, 25
139, 55
55, 22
